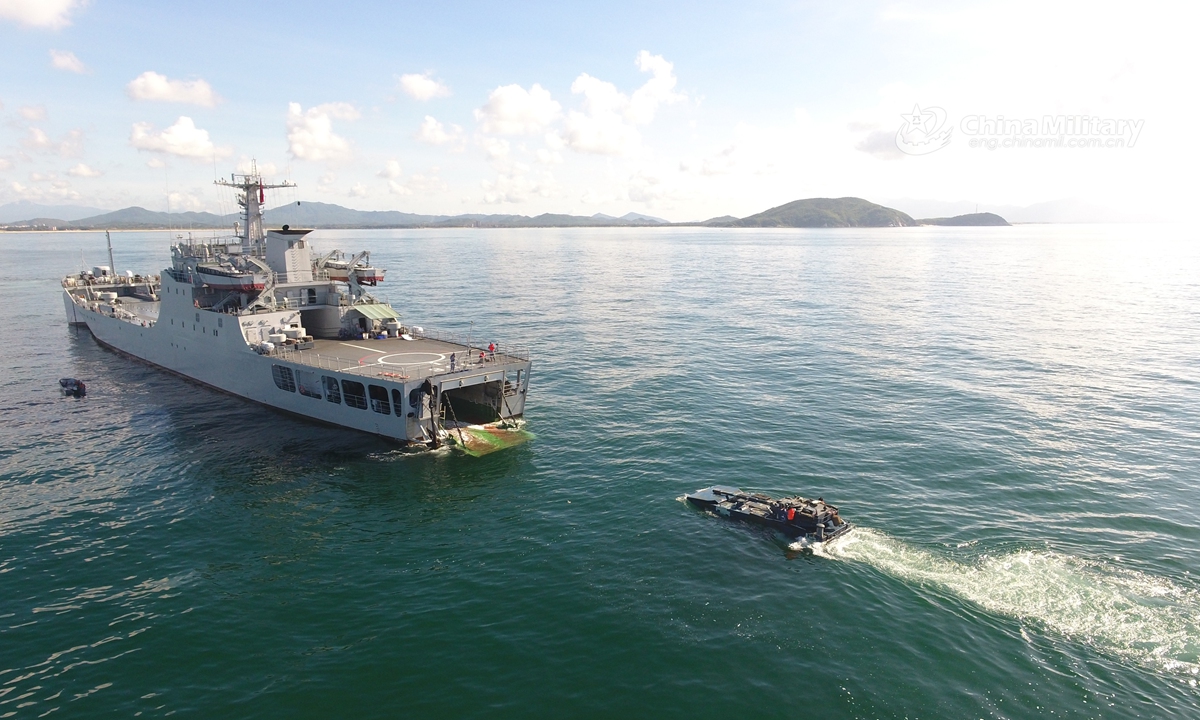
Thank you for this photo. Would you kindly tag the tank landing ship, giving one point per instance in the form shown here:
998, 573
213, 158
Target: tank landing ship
795, 517
252, 314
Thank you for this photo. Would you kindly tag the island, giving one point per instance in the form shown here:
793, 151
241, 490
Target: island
827, 213
968, 220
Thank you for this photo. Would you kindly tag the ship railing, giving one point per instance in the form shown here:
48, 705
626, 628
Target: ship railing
120, 314
352, 367
470, 345
310, 358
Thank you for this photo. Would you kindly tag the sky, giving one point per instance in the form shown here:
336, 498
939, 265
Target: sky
683, 111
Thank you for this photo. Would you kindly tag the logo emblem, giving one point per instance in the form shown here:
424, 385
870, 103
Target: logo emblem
923, 131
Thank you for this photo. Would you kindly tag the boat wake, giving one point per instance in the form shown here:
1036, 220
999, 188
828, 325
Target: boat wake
1118, 611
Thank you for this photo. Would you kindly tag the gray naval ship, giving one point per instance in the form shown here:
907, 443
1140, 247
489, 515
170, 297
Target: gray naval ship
258, 315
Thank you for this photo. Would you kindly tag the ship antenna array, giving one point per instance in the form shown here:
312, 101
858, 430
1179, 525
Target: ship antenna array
251, 186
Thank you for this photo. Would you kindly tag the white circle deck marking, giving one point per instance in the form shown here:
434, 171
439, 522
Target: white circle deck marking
426, 358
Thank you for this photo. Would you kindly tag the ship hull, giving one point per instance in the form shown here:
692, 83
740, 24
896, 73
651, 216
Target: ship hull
210, 348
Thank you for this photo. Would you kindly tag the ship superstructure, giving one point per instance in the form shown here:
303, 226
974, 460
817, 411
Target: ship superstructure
256, 314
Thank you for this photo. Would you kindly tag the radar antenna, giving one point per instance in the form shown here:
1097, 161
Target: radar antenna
251, 195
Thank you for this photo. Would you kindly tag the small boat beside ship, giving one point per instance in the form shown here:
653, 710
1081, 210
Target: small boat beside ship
795, 516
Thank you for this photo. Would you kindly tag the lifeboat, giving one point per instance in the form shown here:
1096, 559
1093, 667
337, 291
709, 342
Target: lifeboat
339, 271
367, 275
227, 277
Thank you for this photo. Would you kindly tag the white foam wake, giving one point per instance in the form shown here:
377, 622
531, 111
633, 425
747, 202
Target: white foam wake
1118, 611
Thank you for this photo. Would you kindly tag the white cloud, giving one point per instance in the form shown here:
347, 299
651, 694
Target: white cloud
64, 60
152, 86
719, 163
183, 139
186, 202
513, 110
548, 157
358, 190
496, 148
70, 145
82, 170
881, 144
602, 129
33, 113
659, 89
422, 87
155, 162
52, 14
645, 188
5, 163
516, 187
427, 184
435, 133
310, 132
606, 126
391, 170
37, 139
430, 184
60, 190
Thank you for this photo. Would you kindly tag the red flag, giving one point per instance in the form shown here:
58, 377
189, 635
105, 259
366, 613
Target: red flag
262, 196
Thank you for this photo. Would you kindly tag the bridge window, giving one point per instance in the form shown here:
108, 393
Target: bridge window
283, 378
398, 402
379, 400
356, 394
332, 393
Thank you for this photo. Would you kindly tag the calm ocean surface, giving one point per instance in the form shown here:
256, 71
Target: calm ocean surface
1010, 415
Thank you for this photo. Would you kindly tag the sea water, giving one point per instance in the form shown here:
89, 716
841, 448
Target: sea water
1009, 416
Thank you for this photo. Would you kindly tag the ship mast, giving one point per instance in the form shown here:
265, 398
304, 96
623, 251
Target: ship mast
251, 190
112, 266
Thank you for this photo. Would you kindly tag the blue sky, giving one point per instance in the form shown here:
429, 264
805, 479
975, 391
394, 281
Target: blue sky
682, 110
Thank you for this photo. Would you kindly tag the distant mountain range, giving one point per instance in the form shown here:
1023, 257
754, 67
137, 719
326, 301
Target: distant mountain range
1066, 210
310, 215
811, 212
24, 209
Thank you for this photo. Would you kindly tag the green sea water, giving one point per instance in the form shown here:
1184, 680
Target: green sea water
1010, 416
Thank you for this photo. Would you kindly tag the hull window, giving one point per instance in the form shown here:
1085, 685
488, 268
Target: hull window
356, 394
306, 382
283, 378
398, 402
332, 393
379, 400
